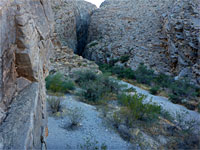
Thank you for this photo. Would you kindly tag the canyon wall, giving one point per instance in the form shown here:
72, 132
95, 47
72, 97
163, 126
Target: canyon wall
162, 34
72, 18
26, 31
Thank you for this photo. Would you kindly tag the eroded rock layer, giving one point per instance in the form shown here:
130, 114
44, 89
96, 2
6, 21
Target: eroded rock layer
26, 28
162, 34
181, 26
72, 18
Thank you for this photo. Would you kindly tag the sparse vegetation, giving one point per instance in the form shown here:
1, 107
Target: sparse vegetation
154, 90
124, 58
54, 104
57, 83
92, 144
76, 116
130, 90
178, 91
96, 87
137, 109
93, 44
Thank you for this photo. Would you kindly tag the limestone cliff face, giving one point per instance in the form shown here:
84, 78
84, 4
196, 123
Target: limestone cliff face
26, 28
72, 18
181, 25
144, 30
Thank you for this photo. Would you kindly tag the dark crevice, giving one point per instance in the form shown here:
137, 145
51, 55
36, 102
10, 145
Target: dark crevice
82, 25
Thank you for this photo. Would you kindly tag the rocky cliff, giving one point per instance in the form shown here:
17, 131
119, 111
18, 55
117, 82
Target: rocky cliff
181, 26
164, 35
26, 28
72, 18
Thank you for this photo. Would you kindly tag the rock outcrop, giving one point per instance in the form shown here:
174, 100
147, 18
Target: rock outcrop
146, 31
25, 44
72, 18
66, 62
182, 30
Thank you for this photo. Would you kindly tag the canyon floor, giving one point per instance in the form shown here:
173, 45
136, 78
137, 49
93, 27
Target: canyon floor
94, 131
92, 127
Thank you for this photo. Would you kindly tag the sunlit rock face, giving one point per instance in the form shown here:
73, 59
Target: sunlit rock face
26, 31
144, 30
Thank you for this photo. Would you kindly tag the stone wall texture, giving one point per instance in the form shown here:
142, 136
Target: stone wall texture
26, 29
146, 31
72, 18
181, 25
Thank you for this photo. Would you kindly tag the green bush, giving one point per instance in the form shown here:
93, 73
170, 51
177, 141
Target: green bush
180, 90
123, 72
177, 90
163, 80
113, 61
138, 109
154, 90
93, 44
85, 76
144, 75
57, 83
92, 91
130, 90
95, 87
124, 58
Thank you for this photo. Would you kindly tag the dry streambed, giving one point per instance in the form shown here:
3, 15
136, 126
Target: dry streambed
91, 132
94, 132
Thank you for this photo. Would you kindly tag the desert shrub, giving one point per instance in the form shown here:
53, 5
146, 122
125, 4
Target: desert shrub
163, 80
85, 76
113, 61
54, 104
180, 90
94, 91
130, 89
93, 44
124, 58
154, 90
139, 110
92, 144
144, 75
58, 83
123, 72
75, 116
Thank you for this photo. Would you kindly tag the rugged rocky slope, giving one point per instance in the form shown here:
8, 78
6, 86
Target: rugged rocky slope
182, 30
25, 43
164, 35
72, 19
66, 62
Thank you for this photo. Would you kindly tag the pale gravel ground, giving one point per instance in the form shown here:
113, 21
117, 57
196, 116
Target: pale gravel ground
92, 124
60, 139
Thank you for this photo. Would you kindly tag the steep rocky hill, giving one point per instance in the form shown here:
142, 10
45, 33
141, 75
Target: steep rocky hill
72, 19
164, 35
